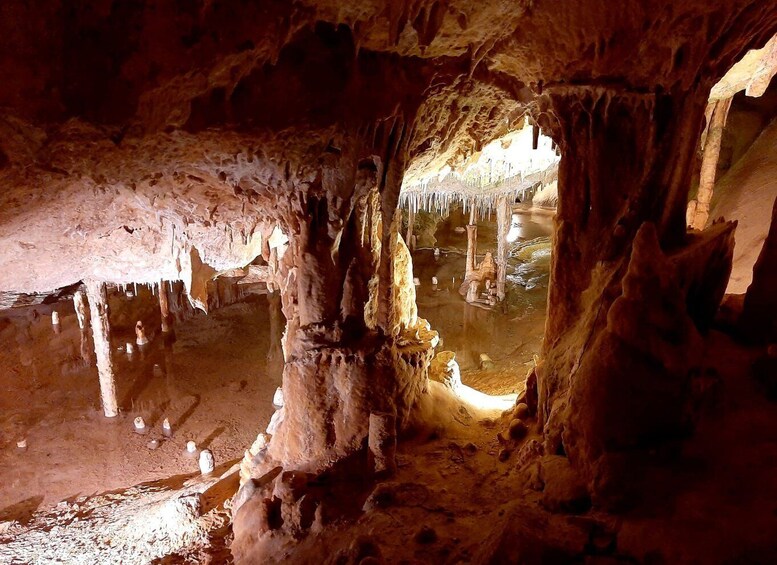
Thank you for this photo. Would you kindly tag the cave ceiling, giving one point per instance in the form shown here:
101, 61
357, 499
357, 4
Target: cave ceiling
138, 138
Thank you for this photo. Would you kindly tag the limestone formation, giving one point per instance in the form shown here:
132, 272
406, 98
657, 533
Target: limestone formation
382, 443
79, 303
101, 333
140, 334
502, 227
164, 307
192, 142
699, 209
207, 462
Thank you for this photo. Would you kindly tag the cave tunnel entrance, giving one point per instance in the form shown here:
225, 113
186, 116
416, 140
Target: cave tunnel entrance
508, 192
494, 343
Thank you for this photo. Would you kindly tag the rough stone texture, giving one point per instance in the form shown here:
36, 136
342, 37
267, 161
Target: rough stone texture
746, 192
751, 74
101, 333
168, 141
759, 315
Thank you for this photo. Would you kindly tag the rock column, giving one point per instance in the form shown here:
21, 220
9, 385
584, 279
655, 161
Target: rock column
627, 288
410, 225
344, 314
101, 330
472, 243
503, 217
164, 307
699, 209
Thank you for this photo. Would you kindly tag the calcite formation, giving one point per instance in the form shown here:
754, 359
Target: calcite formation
142, 142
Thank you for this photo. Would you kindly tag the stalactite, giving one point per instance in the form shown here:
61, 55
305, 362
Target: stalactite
468, 193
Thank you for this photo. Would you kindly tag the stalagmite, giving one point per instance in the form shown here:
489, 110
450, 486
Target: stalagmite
191, 446
164, 307
486, 362
701, 206
101, 329
277, 399
472, 291
140, 334
207, 462
140, 424
79, 303
625, 280
382, 442
502, 226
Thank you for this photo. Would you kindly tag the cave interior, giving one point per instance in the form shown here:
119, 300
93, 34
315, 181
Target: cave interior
388, 281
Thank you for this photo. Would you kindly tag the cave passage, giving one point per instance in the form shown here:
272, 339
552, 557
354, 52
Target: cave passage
388, 282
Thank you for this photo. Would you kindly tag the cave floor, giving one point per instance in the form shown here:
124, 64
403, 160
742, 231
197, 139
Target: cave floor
710, 499
215, 385
453, 501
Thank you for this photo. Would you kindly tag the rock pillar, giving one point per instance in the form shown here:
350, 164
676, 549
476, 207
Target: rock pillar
164, 307
628, 288
472, 244
101, 331
410, 225
345, 316
503, 218
709, 164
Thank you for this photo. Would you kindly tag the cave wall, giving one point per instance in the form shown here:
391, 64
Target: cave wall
746, 193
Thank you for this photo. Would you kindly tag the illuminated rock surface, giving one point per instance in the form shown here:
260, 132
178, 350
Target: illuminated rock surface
142, 143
